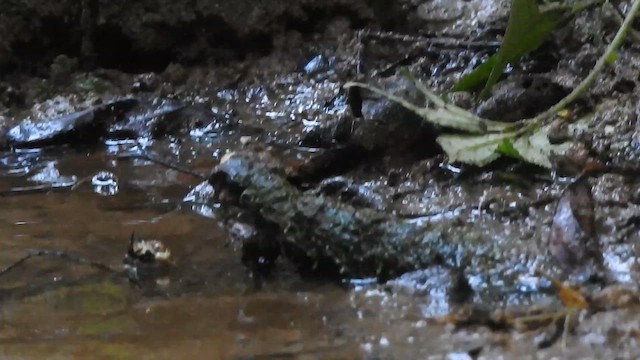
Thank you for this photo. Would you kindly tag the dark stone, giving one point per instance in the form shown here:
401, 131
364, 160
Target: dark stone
78, 127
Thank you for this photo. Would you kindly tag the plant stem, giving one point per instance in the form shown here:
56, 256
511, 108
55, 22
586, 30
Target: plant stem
597, 69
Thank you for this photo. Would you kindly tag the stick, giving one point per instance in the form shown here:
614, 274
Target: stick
164, 163
59, 255
602, 62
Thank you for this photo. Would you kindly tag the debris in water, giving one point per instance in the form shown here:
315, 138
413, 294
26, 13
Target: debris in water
570, 298
147, 260
105, 183
147, 251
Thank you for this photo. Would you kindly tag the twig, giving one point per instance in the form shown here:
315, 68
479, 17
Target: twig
602, 62
164, 163
440, 42
37, 189
633, 33
59, 255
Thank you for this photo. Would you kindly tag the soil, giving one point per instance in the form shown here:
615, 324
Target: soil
113, 116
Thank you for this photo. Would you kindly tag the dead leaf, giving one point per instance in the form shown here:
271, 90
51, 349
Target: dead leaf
537, 149
572, 241
570, 298
477, 150
481, 143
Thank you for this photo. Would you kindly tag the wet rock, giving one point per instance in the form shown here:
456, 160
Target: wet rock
156, 122
444, 288
345, 240
447, 17
387, 126
384, 128
82, 126
439, 10
316, 64
334, 131
145, 82
521, 98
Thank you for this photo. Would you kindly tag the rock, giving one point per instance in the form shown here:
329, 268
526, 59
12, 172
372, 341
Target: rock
339, 239
81, 126
521, 97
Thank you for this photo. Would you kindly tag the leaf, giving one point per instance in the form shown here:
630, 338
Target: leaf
506, 148
570, 298
537, 149
475, 79
441, 113
527, 29
485, 140
482, 149
477, 150
496, 73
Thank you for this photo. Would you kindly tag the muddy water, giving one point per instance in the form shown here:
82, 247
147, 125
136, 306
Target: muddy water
209, 307
52, 308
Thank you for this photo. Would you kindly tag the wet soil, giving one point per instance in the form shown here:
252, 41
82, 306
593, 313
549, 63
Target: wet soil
67, 114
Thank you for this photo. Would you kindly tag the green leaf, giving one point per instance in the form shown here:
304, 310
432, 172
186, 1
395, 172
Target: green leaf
506, 148
477, 150
477, 78
480, 150
485, 140
537, 149
496, 73
526, 31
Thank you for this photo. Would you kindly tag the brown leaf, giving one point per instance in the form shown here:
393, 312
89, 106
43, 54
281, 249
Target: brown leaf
570, 298
573, 240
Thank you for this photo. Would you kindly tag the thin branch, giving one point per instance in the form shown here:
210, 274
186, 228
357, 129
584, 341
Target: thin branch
37, 189
619, 18
164, 163
59, 255
602, 62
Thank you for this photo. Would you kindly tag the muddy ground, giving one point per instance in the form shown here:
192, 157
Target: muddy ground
91, 92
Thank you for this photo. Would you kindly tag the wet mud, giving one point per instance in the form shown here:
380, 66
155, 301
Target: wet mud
241, 204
